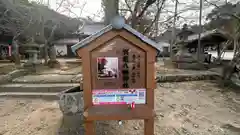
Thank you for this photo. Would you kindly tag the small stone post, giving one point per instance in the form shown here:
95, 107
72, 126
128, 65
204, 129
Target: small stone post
53, 63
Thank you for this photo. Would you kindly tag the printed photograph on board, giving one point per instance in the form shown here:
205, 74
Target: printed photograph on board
118, 96
107, 67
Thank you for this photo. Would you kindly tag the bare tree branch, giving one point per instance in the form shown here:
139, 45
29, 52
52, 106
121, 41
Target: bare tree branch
81, 10
125, 10
129, 7
134, 14
28, 25
137, 4
60, 5
225, 13
148, 3
156, 16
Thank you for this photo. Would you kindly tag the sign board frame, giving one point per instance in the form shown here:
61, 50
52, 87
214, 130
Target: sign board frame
118, 112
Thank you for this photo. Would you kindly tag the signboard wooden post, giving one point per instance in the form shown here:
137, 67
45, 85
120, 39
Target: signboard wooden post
118, 71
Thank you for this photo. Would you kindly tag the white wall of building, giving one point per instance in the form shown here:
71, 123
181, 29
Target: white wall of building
61, 50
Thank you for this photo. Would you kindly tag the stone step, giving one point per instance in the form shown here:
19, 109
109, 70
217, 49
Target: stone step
22, 87
45, 96
48, 79
187, 77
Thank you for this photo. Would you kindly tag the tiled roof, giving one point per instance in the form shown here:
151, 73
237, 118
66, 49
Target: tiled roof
205, 34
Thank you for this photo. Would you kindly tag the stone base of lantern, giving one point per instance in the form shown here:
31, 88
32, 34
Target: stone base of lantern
30, 67
53, 64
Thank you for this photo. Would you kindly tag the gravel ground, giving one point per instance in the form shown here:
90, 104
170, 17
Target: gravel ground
189, 108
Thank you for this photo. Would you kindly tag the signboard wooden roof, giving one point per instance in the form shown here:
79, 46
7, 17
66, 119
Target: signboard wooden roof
117, 23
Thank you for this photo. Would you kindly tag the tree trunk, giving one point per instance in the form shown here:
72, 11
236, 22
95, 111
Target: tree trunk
134, 14
52, 53
218, 53
15, 52
235, 43
45, 53
52, 50
110, 10
174, 30
53, 63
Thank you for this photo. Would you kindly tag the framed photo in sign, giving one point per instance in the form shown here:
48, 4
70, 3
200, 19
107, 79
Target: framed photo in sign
107, 67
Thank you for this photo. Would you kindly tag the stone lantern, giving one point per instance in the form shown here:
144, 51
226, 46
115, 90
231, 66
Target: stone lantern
32, 49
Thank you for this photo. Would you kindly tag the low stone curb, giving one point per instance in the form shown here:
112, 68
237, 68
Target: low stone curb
9, 61
36, 87
58, 79
186, 77
74, 62
46, 96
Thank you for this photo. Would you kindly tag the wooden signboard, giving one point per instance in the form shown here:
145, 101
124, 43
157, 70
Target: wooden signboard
118, 70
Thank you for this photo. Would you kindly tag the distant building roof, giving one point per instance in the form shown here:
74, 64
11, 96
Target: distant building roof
160, 45
215, 32
91, 28
166, 36
185, 32
66, 41
209, 38
164, 44
109, 28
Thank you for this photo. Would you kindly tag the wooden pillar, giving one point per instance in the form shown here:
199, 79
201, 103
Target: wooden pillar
89, 128
149, 127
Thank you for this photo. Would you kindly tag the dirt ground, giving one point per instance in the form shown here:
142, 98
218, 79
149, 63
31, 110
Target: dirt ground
189, 108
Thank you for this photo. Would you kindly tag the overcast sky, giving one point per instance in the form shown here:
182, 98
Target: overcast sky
92, 8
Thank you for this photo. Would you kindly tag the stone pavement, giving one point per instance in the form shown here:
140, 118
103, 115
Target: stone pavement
67, 73
45, 80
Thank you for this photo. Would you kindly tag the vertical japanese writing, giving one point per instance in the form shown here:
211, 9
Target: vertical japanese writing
138, 66
125, 69
133, 75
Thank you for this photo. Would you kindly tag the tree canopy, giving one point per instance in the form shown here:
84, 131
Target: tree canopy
142, 15
23, 19
224, 16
